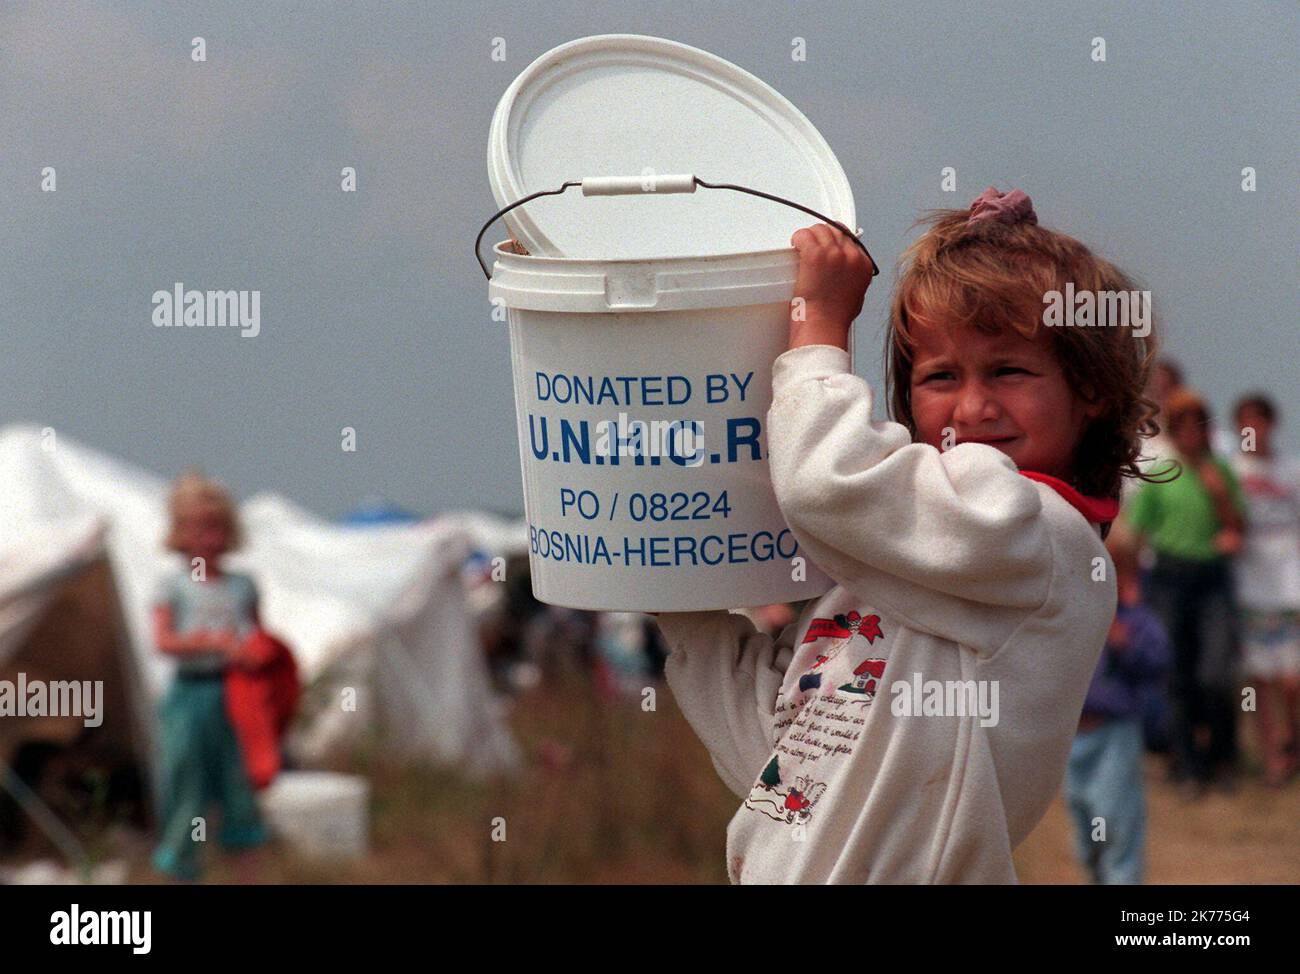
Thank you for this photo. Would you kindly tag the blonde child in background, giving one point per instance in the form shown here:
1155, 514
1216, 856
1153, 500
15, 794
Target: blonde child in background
966, 540
202, 616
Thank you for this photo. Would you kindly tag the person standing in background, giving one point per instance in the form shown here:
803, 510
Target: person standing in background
1268, 583
202, 616
1157, 449
1194, 524
1104, 787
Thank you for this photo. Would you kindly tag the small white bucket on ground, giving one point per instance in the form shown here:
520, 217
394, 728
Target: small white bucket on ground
319, 814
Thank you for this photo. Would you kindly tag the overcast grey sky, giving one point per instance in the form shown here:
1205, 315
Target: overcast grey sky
225, 174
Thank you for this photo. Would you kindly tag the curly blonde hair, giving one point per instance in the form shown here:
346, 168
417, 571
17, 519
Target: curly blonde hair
993, 276
192, 492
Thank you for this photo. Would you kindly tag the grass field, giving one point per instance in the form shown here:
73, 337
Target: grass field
613, 794
610, 793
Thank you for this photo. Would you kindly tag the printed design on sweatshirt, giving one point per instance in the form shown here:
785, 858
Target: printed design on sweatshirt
841, 627
813, 725
866, 679
790, 804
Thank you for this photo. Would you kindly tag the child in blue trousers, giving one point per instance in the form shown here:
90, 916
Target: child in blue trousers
1104, 783
202, 616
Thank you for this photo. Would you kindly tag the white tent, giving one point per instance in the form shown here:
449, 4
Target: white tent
497, 536
379, 609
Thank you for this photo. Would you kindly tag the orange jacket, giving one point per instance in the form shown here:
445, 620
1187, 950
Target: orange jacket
260, 702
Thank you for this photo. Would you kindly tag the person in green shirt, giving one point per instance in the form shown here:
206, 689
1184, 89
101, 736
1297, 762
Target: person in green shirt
1194, 524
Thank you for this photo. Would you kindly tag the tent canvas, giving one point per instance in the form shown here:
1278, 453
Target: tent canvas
381, 608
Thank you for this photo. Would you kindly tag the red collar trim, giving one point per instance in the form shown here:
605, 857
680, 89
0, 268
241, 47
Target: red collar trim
1098, 510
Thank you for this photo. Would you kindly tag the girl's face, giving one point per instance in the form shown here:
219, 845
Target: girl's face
1004, 390
204, 533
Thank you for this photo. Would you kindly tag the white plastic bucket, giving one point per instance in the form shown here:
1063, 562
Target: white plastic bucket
319, 814
683, 517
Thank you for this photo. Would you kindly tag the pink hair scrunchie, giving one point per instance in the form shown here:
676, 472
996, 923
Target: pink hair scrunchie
1010, 207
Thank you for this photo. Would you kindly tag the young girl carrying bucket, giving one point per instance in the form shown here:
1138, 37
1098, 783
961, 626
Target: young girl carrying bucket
913, 724
202, 617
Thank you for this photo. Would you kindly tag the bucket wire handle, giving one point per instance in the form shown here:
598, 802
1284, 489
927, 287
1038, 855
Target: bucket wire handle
609, 186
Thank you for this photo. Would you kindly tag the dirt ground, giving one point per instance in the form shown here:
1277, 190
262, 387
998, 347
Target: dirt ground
612, 793
1251, 836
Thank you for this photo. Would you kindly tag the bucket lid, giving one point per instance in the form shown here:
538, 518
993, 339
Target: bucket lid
625, 105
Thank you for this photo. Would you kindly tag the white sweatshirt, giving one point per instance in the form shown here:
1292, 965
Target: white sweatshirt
952, 567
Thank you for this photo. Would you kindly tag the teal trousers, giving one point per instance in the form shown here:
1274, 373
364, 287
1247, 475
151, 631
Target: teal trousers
201, 768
